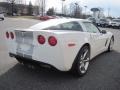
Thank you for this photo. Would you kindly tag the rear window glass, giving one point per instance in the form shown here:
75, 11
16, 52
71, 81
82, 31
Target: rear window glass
73, 26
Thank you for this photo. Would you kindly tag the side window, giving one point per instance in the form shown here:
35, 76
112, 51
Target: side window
72, 26
91, 28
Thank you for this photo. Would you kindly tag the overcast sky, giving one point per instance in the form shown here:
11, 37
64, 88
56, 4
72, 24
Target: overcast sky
114, 5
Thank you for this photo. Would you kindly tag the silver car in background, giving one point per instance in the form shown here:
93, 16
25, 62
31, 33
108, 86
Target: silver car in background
115, 23
2, 16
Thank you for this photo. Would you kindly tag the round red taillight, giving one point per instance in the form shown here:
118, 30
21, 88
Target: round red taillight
41, 39
7, 35
52, 41
12, 35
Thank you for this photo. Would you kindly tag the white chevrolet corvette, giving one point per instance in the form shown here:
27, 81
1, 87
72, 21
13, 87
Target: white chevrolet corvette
65, 44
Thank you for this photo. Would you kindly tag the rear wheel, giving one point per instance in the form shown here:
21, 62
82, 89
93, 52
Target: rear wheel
82, 61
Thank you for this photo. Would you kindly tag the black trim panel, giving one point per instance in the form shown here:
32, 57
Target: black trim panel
31, 61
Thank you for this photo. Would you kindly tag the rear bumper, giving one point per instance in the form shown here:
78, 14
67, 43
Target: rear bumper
31, 61
60, 66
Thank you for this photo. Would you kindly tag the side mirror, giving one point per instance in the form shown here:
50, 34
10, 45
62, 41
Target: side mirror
103, 31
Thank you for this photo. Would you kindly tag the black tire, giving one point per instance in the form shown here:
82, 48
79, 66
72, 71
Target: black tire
80, 67
110, 48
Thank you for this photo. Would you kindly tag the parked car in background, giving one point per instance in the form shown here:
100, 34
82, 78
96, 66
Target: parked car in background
65, 44
46, 17
103, 23
2, 16
115, 23
92, 19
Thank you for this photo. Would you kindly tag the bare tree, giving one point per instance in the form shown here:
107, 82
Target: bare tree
19, 1
63, 6
85, 11
65, 10
30, 9
36, 9
42, 6
12, 5
75, 10
51, 11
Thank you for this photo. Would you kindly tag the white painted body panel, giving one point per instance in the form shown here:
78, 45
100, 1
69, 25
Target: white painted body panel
62, 56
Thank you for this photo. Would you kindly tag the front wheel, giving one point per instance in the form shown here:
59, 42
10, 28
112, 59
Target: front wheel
82, 61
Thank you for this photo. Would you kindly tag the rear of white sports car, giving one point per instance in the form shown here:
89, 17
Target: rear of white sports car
35, 45
64, 49
49, 47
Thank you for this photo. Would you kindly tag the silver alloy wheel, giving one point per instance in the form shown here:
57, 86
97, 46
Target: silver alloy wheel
111, 44
84, 62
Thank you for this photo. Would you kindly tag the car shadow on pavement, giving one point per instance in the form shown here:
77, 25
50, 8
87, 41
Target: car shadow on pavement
103, 74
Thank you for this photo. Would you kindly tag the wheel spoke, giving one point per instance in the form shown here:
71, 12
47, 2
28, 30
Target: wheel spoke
81, 62
85, 54
87, 60
84, 61
83, 69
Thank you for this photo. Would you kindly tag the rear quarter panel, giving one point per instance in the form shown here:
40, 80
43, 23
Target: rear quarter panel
60, 56
46, 53
70, 53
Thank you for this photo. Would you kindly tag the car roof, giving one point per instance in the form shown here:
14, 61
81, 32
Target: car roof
53, 22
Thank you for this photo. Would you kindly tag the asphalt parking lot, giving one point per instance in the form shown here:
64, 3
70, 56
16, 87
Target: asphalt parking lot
103, 74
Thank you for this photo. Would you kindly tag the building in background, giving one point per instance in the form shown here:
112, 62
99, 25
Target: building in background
18, 9
98, 13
